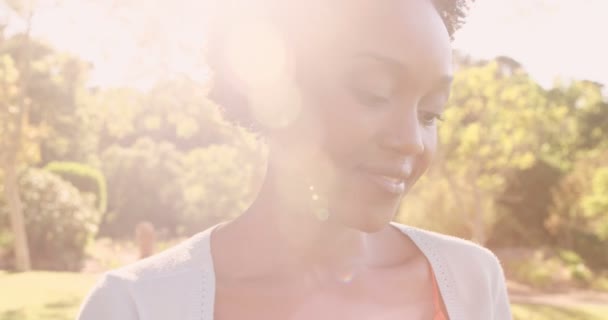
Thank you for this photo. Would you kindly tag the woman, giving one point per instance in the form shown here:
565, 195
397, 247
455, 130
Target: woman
347, 95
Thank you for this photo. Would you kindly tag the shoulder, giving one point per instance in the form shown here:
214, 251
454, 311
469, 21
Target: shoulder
455, 250
178, 259
148, 281
465, 262
109, 299
471, 274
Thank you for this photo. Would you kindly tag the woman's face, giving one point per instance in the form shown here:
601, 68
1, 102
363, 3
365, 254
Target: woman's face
372, 93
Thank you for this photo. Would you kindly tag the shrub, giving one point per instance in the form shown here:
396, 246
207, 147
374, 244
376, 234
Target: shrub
600, 283
549, 269
144, 186
217, 184
84, 178
430, 205
581, 273
569, 257
59, 220
6, 243
578, 215
523, 207
540, 271
178, 192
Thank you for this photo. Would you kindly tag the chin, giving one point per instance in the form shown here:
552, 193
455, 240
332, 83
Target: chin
369, 221
371, 227
364, 213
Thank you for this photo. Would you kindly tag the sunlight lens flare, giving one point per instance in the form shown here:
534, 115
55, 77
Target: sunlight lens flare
258, 57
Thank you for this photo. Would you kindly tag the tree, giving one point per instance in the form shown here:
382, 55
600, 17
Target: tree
496, 122
578, 215
144, 186
40, 90
16, 144
524, 205
60, 220
218, 183
15, 129
175, 110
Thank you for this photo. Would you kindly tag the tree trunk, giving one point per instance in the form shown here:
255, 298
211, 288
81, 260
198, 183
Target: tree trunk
15, 208
10, 159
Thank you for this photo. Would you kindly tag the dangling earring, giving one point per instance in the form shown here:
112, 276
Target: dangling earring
319, 205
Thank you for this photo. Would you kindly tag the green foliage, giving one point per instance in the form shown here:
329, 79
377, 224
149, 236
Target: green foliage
506, 147
576, 266
52, 99
512, 154
43, 295
595, 204
496, 121
431, 205
536, 274
176, 111
144, 182
555, 312
581, 273
492, 116
171, 146
570, 257
6, 243
551, 270
84, 178
18, 138
588, 110
59, 221
600, 282
523, 206
577, 218
177, 191
217, 183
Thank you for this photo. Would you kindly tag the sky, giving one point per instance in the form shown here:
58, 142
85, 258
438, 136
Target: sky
565, 38
551, 38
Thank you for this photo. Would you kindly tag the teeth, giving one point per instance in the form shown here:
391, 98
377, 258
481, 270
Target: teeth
392, 184
392, 180
407, 168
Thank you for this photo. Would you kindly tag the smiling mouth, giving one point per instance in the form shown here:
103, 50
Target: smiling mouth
391, 185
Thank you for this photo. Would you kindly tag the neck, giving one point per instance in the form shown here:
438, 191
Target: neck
281, 233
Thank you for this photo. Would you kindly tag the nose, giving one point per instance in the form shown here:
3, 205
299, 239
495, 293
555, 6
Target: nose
402, 133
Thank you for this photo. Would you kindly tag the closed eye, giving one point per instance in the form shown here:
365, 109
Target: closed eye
369, 98
428, 118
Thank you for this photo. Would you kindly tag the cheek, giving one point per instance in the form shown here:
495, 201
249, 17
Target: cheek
348, 126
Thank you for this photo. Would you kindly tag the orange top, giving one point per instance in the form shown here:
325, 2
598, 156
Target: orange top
439, 315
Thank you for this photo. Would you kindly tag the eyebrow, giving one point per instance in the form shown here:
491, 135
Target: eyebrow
393, 64
397, 69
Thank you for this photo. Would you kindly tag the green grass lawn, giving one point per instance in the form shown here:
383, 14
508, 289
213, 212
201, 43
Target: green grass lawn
541, 312
42, 295
57, 296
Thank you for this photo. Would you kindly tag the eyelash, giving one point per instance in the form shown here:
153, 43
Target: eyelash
368, 98
427, 118
433, 118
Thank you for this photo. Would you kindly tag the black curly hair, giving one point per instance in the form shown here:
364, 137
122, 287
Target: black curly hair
452, 12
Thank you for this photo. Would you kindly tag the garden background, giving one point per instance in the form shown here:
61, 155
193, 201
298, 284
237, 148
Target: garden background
108, 138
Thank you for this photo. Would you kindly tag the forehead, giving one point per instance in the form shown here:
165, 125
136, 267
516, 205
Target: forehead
410, 32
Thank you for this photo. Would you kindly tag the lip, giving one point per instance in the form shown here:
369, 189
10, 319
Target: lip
391, 185
390, 178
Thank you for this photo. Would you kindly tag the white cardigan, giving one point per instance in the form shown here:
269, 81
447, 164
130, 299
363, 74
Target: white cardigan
179, 283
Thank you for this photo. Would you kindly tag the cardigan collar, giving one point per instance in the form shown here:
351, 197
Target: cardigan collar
203, 305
